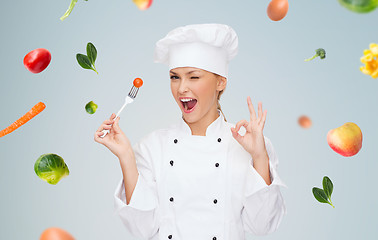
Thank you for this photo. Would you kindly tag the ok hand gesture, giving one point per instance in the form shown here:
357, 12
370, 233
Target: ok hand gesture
253, 140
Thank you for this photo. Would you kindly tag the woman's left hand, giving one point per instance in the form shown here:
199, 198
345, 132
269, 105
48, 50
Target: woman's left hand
253, 140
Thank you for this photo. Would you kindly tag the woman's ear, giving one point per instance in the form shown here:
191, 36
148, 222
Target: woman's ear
222, 82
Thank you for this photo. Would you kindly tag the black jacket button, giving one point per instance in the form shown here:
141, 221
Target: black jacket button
215, 201
170, 237
171, 162
217, 165
175, 141
214, 238
171, 199
219, 139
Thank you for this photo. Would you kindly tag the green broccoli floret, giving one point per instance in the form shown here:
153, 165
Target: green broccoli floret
320, 52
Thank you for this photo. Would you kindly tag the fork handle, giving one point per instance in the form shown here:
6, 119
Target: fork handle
105, 132
119, 112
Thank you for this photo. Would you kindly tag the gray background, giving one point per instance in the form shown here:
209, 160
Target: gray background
269, 68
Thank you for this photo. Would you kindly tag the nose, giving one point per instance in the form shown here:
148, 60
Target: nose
183, 86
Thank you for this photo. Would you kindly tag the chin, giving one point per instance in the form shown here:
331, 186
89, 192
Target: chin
190, 118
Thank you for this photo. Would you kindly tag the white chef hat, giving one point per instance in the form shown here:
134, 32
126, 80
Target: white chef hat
206, 46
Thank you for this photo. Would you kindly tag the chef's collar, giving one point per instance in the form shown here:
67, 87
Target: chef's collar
213, 130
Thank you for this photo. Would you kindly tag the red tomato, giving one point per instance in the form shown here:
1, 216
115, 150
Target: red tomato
138, 82
37, 60
277, 9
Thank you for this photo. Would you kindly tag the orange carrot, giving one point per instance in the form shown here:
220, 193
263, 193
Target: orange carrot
39, 107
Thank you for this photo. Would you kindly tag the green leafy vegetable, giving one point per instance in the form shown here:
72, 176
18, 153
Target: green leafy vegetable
320, 52
91, 52
69, 10
88, 62
51, 168
91, 107
324, 196
327, 186
320, 195
359, 6
84, 61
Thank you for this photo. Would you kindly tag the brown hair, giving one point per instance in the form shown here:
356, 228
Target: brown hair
219, 106
218, 98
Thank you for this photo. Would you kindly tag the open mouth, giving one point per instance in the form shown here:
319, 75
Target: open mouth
188, 104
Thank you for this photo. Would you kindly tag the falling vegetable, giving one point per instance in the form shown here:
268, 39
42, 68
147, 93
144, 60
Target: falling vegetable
91, 107
359, 6
370, 59
39, 107
51, 168
320, 52
138, 82
88, 61
324, 195
37, 60
69, 10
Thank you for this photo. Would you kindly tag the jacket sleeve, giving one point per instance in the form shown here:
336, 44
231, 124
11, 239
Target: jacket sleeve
140, 216
263, 207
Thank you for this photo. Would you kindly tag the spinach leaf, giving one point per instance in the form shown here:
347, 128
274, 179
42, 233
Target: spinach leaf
327, 186
320, 195
88, 62
324, 196
91, 52
84, 61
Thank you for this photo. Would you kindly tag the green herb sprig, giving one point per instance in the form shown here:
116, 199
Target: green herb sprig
88, 62
324, 195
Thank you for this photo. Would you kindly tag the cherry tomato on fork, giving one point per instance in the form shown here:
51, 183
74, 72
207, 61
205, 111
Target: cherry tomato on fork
138, 82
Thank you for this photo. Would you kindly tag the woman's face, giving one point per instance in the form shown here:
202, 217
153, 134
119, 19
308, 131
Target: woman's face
196, 91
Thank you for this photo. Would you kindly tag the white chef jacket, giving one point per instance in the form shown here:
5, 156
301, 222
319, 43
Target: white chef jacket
199, 187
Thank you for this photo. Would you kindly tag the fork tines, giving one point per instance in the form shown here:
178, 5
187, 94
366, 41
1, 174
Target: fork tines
133, 92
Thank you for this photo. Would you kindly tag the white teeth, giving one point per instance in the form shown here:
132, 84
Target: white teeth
186, 99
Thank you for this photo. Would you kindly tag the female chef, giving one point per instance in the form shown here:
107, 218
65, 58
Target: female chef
198, 179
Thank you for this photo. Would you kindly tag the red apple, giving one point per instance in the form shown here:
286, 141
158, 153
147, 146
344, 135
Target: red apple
143, 4
345, 140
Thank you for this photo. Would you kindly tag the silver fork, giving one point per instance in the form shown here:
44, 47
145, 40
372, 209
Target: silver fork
129, 99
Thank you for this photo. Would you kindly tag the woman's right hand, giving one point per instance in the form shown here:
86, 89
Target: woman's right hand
116, 141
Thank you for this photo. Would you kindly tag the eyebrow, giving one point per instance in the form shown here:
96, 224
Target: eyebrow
192, 72
185, 73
